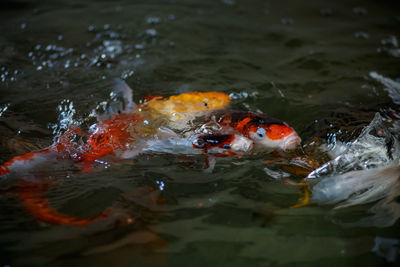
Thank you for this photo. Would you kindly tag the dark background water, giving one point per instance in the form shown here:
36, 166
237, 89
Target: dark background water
307, 63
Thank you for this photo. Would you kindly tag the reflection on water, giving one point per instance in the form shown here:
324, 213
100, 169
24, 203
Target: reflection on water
324, 67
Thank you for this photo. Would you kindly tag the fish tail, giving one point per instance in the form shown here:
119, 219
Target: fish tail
32, 197
25, 161
305, 198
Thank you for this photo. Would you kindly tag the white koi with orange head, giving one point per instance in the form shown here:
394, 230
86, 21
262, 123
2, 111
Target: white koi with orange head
264, 131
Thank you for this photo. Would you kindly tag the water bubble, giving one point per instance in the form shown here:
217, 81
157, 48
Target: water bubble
107, 27
67, 64
361, 35
161, 184
113, 35
60, 37
287, 21
153, 20
127, 73
113, 47
91, 28
240, 95
390, 41
390, 46
151, 32
66, 112
140, 46
23, 26
171, 16
3, 108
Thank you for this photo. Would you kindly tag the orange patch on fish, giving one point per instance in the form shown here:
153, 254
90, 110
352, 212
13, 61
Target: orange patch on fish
109, 137
276, 131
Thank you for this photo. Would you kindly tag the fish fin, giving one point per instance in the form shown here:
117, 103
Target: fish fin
210, 163
164, 133
121, 88
304, 200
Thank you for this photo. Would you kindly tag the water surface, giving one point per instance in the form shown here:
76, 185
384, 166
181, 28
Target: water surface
307, 63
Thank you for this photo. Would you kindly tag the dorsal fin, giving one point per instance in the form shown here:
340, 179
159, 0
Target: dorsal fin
122, 89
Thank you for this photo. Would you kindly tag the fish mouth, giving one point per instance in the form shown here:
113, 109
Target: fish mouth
291, 141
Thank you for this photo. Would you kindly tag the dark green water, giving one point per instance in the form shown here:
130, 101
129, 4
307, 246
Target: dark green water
307, 63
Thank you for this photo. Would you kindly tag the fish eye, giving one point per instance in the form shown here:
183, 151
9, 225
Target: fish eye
205, 104
261, 132
200, 143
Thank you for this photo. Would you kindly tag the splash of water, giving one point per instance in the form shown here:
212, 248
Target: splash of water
367, 171
375, 147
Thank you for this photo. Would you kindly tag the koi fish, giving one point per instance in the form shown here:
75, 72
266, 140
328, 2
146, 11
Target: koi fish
116, 136
109, 137
119, 132
176, 110
265, 132
187, 103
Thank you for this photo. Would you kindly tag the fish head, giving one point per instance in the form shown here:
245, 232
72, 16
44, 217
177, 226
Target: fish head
275, 135
223, 143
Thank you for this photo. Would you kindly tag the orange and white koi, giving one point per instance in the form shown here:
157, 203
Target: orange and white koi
109, 137
265, 132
